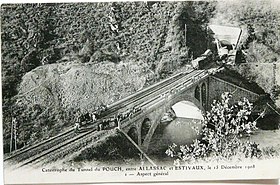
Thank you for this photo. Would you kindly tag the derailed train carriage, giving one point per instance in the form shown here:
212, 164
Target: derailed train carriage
226, 40
202, 61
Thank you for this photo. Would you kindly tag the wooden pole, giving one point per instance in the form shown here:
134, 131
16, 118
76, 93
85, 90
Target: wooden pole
15, 135
141, 151
273, 109
274, 74
185, 35
238, 40
11, 141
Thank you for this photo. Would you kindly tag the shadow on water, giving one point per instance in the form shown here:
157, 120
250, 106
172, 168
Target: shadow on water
269, 122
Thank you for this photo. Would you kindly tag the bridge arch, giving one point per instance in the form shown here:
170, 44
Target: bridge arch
184, 97
204, 92
133, 134
186, 109
201, 94
197, 92
167, 105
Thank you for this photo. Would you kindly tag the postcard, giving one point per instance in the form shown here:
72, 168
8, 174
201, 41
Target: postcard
140, 91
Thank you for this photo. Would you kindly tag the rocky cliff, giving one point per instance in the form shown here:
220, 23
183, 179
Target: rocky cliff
79, 86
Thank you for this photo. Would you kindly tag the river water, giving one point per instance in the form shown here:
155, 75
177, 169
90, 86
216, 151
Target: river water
182, 130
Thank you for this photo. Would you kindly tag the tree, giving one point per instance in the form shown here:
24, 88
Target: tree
223, 128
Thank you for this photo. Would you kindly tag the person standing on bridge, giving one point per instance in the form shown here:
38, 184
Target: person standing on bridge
100, 127
93, 117
78, 121
118, 120
77, 126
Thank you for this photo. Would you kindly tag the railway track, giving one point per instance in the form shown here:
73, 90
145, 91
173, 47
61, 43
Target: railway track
41, 146
29, 155
55, 148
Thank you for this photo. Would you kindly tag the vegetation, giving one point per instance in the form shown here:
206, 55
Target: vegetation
260, 41
260, 20
222, 132
126, 43
114, 147
148, 38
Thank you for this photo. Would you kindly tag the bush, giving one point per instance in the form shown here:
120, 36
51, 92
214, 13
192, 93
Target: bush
221, 134
114, 147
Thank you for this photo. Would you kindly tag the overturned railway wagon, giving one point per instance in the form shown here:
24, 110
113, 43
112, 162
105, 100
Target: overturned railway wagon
227, 39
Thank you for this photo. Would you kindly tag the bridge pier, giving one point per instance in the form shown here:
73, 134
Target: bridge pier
148, 137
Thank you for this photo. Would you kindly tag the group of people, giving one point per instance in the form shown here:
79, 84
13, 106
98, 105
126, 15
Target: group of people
83, 119
113, 121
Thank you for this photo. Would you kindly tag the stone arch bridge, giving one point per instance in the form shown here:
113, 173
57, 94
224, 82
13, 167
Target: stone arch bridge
201, 90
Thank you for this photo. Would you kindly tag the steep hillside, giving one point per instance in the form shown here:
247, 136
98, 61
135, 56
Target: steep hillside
260, 40
60, 58
83, 86
266, 75
260, 21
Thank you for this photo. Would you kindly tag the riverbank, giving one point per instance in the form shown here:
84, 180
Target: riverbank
266, 138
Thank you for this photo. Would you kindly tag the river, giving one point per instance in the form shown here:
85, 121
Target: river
181, 130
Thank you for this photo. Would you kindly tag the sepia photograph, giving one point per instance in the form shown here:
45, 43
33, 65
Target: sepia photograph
140, 91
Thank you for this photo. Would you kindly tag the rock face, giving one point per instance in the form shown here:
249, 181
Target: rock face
79, 86
49, 96
158, 39
266, 75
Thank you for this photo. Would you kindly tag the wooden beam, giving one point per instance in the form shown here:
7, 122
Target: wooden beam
141, 151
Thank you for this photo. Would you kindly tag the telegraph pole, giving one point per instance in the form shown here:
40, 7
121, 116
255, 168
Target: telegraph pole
185, 35
274, 74
11, 141
15, 134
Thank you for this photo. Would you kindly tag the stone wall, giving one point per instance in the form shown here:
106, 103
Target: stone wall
264, 74
218, 86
